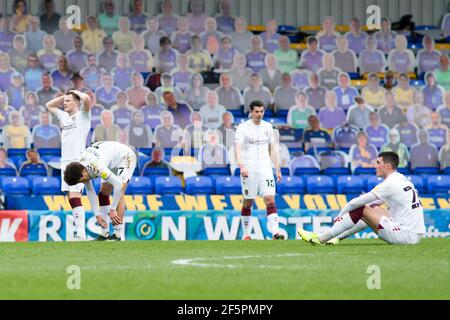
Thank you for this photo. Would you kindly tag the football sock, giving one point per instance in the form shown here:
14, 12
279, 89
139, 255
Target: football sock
78, 217
359, 226
105, 206
339, 227
246, 215
118, 230
272, 218
346, 222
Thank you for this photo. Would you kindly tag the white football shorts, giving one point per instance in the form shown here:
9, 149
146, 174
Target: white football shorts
258, 183
393, 233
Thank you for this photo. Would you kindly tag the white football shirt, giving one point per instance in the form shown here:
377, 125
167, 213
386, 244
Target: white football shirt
255, 140
104, 156
403, 202
74, 132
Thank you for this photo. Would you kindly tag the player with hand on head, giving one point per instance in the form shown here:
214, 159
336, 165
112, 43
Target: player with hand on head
75, 123
255, 143
401, 223
114, 162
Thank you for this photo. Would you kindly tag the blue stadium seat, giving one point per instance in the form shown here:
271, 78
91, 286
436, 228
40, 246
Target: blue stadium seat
16, 186
48, 153
291, 185
418, 182
337, 171
142, 160
282, 113
146, 151
404, 170
306, 171
199, 185
39, 170
426, 170
139, 185
304, 165
350, 184
364, 171
228, 185
237, 113
17, 156
216, 171
447, 170
156, 172
320, 184
285, 172
168, 185
8, 172
46, 185
373, 181
438, 184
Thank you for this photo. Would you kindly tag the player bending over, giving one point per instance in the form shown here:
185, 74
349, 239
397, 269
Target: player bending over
253, 139
401, 223
114, 163
75, 122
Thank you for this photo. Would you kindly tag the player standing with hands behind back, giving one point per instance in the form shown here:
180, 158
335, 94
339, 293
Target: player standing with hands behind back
75, 122
254, 140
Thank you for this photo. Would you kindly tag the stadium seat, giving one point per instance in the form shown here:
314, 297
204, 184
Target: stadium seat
320, 185
350, 184
199, 185
237, 113
373, 181
304, 165
17, 156
256, 28
364, 171
228, 185
16, 186
426, 170
139, 185
26, 171
46, 185
48, 153
438, 184
168, 185
404, 170
291, 185
225, 171
447, 170
418, 183
8, 172
334, 162
146, 151
152, 171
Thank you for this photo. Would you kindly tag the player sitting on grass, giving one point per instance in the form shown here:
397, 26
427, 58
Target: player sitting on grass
114, 163
401, 223
253, 139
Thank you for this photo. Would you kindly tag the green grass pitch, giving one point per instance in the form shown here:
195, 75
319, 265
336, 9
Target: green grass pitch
225, 270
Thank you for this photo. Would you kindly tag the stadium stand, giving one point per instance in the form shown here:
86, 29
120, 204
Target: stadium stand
119, 67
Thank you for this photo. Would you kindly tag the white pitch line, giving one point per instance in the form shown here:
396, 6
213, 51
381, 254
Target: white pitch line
200, 262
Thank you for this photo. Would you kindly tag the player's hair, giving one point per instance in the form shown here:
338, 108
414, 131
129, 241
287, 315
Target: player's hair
76, 97
256, 103
73, 173
391, 158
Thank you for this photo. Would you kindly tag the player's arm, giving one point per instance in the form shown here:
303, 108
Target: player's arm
86, 100
119, 191
361, 201
92, 196
54, 104
238, 141
275, 152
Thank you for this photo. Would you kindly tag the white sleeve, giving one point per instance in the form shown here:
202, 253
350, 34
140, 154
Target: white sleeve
60, 115
239, 136
359, 202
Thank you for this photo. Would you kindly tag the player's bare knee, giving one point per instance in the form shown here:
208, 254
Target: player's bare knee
269, 200
74, 195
